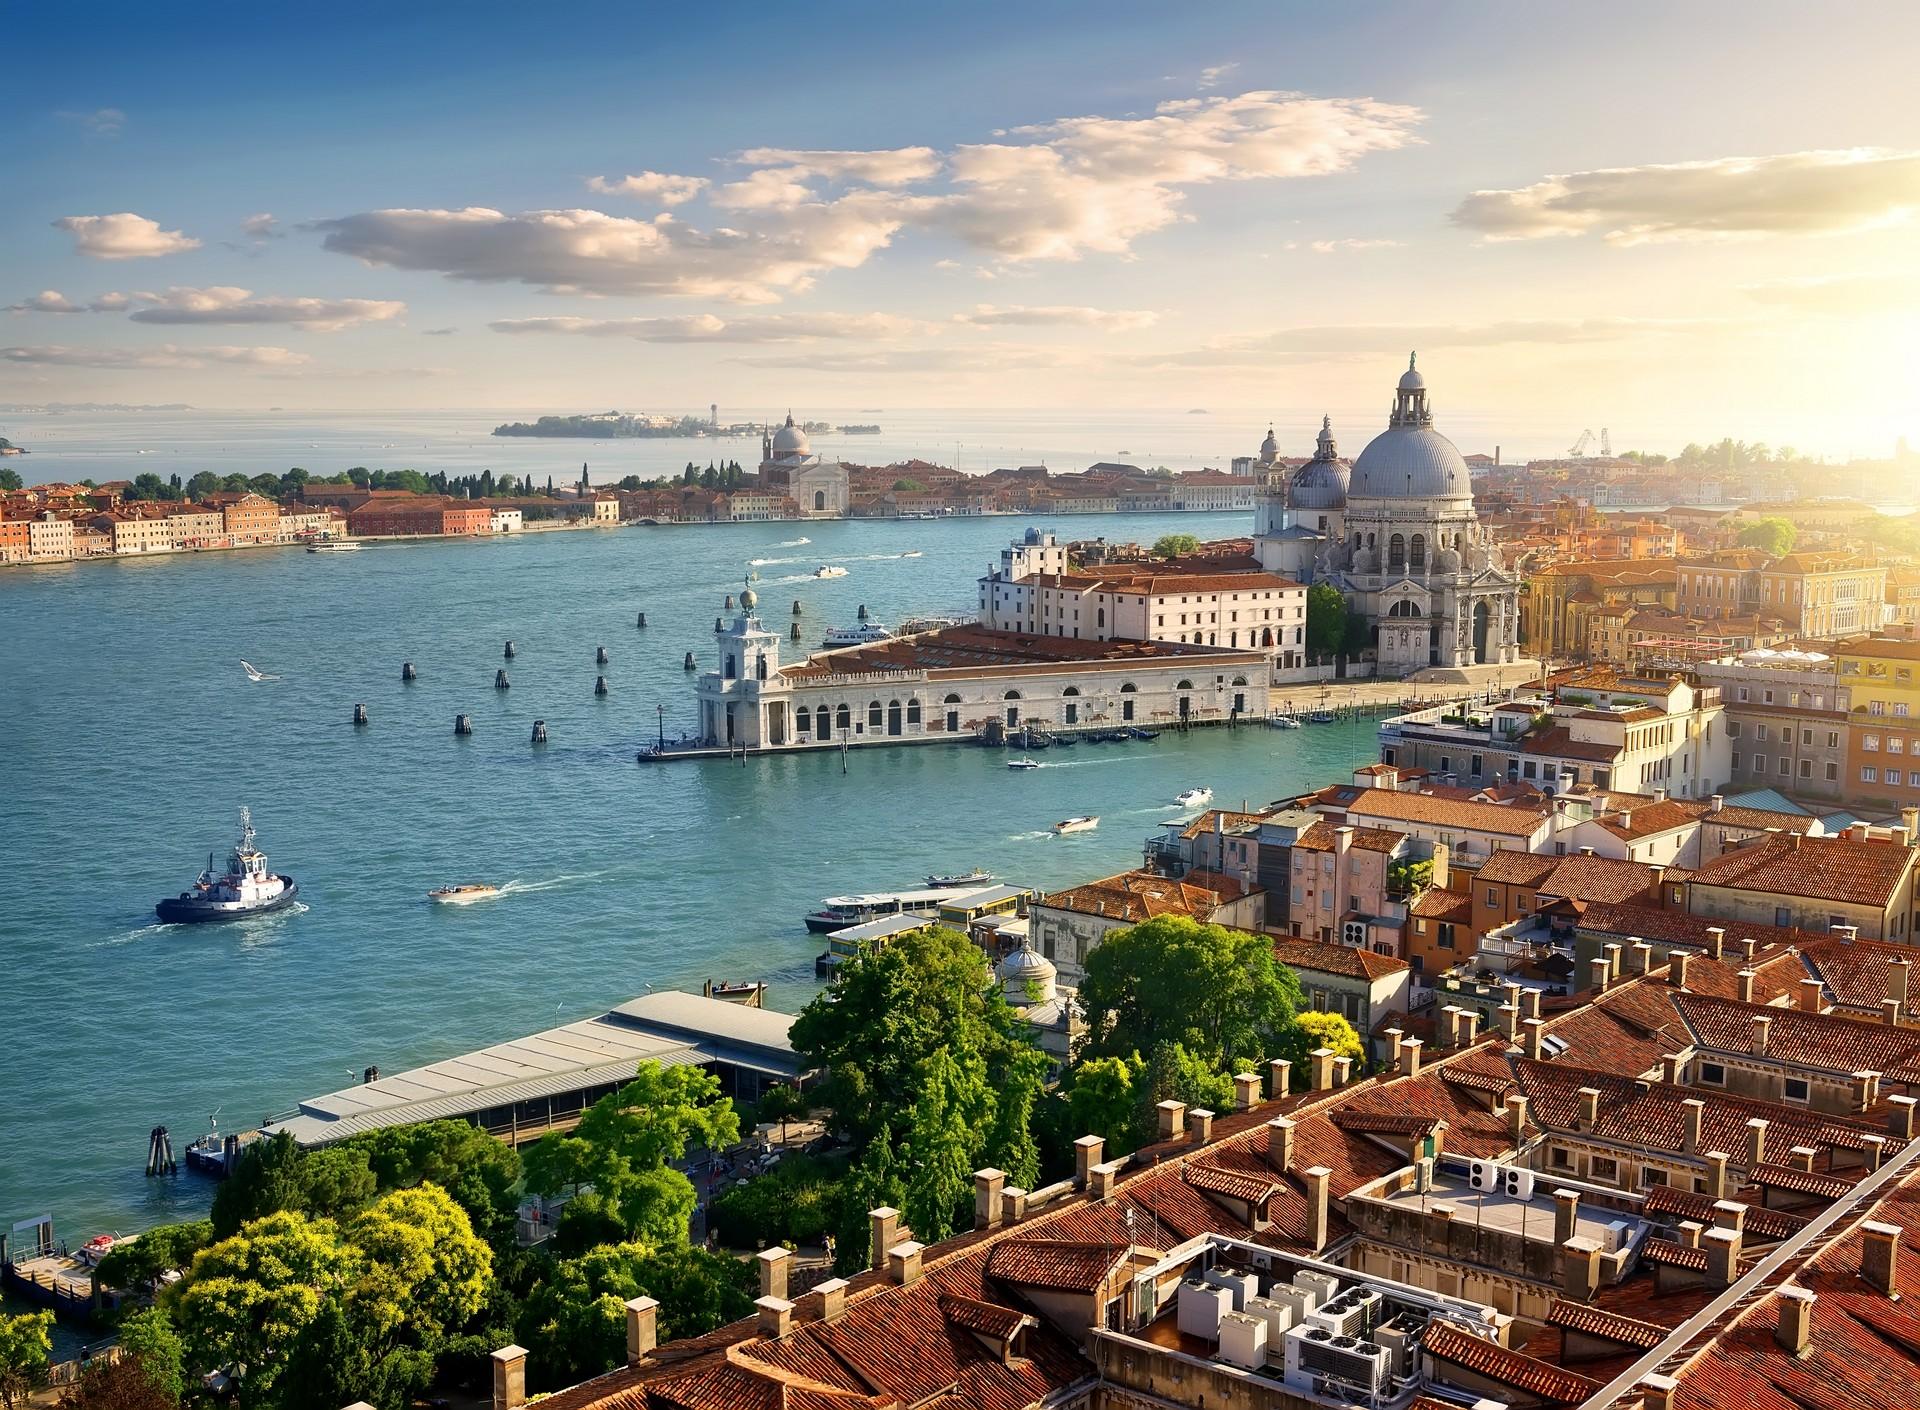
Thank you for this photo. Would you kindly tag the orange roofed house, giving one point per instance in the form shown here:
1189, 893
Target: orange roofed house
1067, 925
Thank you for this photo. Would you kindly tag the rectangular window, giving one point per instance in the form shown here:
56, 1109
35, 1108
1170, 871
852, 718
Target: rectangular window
1869, 774
1870, 743
1736, 762
1712, 1074
1562, 1159
1794, 1089
1833, 772
1605, 1167
1893, 777
1651, 1175
1782, 917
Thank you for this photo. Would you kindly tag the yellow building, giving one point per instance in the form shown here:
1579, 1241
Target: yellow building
1558, 608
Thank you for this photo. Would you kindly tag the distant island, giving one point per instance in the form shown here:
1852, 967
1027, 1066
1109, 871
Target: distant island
7, 447
60, 406
609, 425
859, 430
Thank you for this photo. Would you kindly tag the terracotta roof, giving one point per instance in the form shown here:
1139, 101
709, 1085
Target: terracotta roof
1436, 903
975, 651
1597, 879
1450, 1342
1648, 819
1856, 871
1825, 1041
987, 1318
1328, 958
1793, 1179
1385, 1123
1673, 1255
1678, 1206
1062, 1264
1393, 806
1136, 896
1609, 1326
1321, 837
1234, 1184
1512, 867
1559, 743
1855, 971
1229, 821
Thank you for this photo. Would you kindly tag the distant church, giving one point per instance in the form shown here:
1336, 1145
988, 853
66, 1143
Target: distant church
822, 488
1395, 532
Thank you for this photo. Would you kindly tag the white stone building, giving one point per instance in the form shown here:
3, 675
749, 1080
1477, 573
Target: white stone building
822, 489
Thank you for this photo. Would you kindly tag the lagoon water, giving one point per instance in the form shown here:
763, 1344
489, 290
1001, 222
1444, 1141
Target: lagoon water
133, 736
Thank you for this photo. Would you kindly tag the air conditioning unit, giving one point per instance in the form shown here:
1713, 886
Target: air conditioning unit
1325, 1284
1315, 1354
1616, 1236
1281, 1317
1484, 1175
1516, 1181
1345, 1316
1243, 1341
1241, 1285
1201, 1308
1400, 1337
1299, 1301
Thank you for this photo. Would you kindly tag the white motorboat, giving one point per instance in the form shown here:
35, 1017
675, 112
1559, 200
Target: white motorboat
860, 634
1067, 825
463, 895
1284, 722
1194, 797
961, 879
1023, 764
829, 570
913, 553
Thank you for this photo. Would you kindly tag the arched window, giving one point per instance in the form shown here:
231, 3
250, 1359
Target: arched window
823, 723
1011, 695
1184, 685
843, 719
1417, 556
1127, 692
1396, 553
952, 700
1072, 694
1239, 680
913, 712
1101, 616
1405, 607
873, 714
819, 500
732, 670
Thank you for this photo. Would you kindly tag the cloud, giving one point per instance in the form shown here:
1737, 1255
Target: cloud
1888, 291
709, 328
1359, 342
123, 236
1057, 315
986, 358
47, 301
105, 121
1055, 191
1210, 77
225, 304
1334, 247
439, 332
262, 226
1794, 193
659, 186
166, 355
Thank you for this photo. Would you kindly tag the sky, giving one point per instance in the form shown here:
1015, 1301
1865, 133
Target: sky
1678, 222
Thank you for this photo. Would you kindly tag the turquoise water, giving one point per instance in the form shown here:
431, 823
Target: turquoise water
133, 736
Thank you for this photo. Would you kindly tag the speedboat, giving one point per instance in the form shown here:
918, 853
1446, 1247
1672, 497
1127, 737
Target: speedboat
1023, 763
954, 881
1067, 825
1284, 722
829, 570
244, 890
1194, 797
912, 553
463, 895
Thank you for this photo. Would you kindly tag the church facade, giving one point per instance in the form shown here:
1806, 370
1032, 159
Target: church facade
822, 489
1395, 531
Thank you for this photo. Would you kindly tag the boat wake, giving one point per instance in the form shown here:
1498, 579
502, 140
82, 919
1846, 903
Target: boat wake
255, 674
132, 937
1035, 836
528, 888
794, 543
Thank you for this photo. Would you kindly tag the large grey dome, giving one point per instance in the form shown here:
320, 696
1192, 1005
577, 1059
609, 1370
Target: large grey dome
790, 440
1410, 462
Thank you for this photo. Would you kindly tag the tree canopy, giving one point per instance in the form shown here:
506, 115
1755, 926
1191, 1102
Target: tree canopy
26, 1341
1315, 1029
1175, 545
1772, 535
1326, 620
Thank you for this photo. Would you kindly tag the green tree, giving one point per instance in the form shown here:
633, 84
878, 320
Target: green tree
1174, 1073
202, 485
1315, 1029
136, 1264
625, 1142
10, 480
1175, 545
1326, 620
1102, 1101
148, 1340
797, 1202
26, 1341
1216, 992
874, 1182
1772, 535
782, 1104
426, 1272
573, 1324
941, 1139
480, 1173
266, 1180
1011, 1145
905, 486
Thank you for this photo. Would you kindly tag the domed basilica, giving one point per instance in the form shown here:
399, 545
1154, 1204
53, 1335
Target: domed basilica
1395, 532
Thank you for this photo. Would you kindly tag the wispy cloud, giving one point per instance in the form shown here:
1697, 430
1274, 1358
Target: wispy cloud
166, 355
659, 186
709, 328
222, 304
1057, 316
1210, 77
1353, 342
123, 236
106, 121
262, 226
1794, 193
1893, 292
1334, 247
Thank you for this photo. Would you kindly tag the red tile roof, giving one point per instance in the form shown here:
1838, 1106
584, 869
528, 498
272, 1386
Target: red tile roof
1766, 1225
1448, 1341
1328, 958
1855, 971
1793, 1179
1510, 866
1857, 871
1436, 903
1827, 1041
1389, 805
1609, 1326
1063, 1264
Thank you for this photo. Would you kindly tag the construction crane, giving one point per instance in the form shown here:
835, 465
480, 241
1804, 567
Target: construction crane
1579, 450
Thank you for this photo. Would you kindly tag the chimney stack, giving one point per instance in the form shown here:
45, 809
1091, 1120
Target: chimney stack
1530, 1003
1103, 1177
1875, 1152
509, 1378
1730, 1214
776, 1317
1566, 1215
1693, 1111
1088, 1152
1246, 1091
1813, 996
1342, 1069
1280, 1144
1717, 941
643, 1328
1516, 1119
832, 1298
1279, 1078
1762, 1025
1898, 972
1717, 1184
1580, 1269
1866, 1089
1880, 1257
1747, 947
1589, 1107
1173, 1116
1803, 1158
883, 1226
987, 1185
1599, 972
903, 1264
1200, 1125
1796, 1320
1410, 1057
1534, 1044
1317, 1179
1677, 963
1322, 1069
1746, 986
1756, 1141
1612, 951
1890, 1012
1900, 1118
1510, 1020
773, 1271
1670, 1069
1658, 1392
1723, 1256
1642, 956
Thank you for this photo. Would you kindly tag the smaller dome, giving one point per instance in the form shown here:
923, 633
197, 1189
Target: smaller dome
1411, 380
1269, 447
749, 599
1026, 963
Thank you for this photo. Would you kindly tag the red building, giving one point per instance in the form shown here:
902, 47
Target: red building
388, 517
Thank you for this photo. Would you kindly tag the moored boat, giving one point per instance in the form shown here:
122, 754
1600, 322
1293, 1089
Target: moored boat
1284, 722
945, 881
244, 890
860, 634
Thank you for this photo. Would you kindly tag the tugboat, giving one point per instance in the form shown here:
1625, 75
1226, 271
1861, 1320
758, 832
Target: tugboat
246, 889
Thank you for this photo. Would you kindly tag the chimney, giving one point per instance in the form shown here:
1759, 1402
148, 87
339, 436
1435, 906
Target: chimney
1599, 971
1534, 1042
1761, 1026
1013, 1205
1880, 1257
509, 1378
1393, 1037
1670, 1069
1756, 1141
1322, 1069
1279, 1078
1641, 957
1173, 1116
1746, 986
1795, 1331
832, 1298
903, 1264
1717, 941
1690, 1232
1813, 996
1803, 1158
1900, 1118
1897, 972
1692, 1112
1516, 1119
987, 1185
1342, 1069
1280, 1144
1730, 1214
1847, 933
643, 1328
1455, 1025
1246, 1091
776, 1317
1747, 946
1530, 1003
1677, 964
883, 1226
1866, 1089
1589, 1107
1612, 951
1410, 1057
1875, 1152
1200, 1125
1469, 1026
1566, 1215
1317, 1179
1102, 1178
1716, 802
773, 1271
1088, 1152
1510, 1020
1579, 1269
1890, 1012
1717, 1183
1658, 1392
1723, 1256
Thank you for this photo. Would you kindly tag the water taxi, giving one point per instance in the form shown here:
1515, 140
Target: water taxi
1021, 765
1193, 797
245, 889
829, 570
1067, 825
463, 895
333, 546
860, 634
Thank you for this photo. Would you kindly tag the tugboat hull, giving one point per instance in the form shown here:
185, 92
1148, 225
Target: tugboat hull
187, 909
